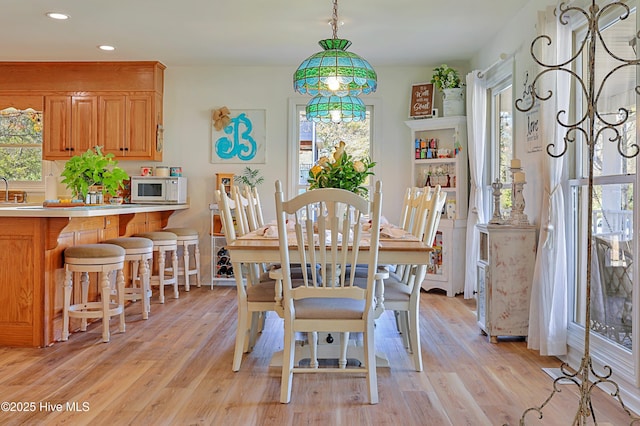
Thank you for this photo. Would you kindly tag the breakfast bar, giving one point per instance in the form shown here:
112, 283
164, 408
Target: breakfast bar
32, 242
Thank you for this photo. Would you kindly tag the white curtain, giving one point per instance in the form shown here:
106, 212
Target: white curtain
548, 309
476, 131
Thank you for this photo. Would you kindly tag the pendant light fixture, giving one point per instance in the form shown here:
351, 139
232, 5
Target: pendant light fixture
334, 71
336, 109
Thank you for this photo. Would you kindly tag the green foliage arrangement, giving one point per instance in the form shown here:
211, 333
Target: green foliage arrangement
250, 177
341, 171
445, 77
93, 168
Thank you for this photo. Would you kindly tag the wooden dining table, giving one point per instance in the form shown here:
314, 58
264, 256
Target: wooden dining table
253, 249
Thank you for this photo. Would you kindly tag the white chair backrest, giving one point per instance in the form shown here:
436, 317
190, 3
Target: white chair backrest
254, 208
334, 243
242, 205
434, 213
225, 205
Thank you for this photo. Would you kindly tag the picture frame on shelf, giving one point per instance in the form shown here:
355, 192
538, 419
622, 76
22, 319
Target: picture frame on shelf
421, 100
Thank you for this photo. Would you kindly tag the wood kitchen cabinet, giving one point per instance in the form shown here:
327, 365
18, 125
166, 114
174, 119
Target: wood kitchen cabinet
117, 105
70, 125
127, 128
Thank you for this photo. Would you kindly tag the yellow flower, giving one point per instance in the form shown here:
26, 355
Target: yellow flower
323, 160
358, 166
339, 150
316, 169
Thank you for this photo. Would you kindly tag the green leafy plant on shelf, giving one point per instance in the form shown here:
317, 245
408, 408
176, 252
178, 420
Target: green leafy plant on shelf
445, 77
250, 177
93, 168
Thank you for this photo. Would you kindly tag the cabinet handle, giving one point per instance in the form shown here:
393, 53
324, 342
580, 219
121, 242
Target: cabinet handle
72, 149
126, 149
121, 149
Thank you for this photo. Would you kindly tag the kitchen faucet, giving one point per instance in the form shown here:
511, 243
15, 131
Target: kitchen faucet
6, 189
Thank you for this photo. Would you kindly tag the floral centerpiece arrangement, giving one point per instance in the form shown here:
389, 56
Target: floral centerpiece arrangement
341, 171
445, 77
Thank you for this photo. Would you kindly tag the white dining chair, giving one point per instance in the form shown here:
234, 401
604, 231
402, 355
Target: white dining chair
335, 301
402, 291
256, 294
254, 208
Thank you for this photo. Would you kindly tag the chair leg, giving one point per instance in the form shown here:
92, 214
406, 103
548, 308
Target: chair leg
313, 349
161, 266
84, 284
174, 265
403, 323
344, 343
197, 256
120, 289
370, 357
254, 329
185, 254
68, 281
414, 334
287, 363
241, 336
105, 292
145, 288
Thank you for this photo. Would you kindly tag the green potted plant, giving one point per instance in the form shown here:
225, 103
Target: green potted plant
447, 80
93, 168
250, 177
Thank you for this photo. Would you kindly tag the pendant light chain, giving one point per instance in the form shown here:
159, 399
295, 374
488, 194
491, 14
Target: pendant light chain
334, 19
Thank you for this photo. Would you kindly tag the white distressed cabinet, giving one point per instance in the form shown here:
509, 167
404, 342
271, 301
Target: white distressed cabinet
440, 158
505, 273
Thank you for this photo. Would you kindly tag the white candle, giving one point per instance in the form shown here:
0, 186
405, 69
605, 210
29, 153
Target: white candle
518, 177
515, 163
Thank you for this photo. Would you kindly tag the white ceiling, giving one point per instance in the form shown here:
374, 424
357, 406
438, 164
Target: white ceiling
249, 32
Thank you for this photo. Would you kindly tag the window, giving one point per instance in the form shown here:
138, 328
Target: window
502, 138
314, 140
612, 250
21, 145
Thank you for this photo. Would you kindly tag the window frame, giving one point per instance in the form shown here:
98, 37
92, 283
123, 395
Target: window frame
297, 104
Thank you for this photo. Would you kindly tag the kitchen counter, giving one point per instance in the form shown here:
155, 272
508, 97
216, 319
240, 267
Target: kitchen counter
17, 210
32, 243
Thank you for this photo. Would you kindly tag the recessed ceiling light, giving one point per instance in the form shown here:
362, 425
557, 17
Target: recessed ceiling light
106, 47
57, 15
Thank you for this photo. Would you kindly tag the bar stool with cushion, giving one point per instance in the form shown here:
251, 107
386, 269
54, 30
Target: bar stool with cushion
103, 259
188, 237
164, 243
138, 251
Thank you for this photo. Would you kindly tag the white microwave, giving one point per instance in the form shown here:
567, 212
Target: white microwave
158, 190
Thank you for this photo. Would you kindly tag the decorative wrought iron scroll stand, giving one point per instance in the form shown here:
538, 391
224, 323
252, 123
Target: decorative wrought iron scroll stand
585, 126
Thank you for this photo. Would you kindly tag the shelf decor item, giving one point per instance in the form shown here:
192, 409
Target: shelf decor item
447, 80
93, 168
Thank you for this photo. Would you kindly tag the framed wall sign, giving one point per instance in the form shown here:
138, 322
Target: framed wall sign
243, 140
421, 100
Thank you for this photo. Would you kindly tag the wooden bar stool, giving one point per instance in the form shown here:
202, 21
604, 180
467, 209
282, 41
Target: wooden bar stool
103, 259
138, 251
164, 243
188, 237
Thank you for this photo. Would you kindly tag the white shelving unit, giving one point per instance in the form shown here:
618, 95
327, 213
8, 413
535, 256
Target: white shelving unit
505, 273
440, 158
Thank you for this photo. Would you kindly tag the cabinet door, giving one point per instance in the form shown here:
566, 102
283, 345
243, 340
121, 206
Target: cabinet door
57, 127
84, 123
111, 122
140, 127
482, 296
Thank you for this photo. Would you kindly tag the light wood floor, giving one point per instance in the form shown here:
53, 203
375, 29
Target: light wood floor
175, 368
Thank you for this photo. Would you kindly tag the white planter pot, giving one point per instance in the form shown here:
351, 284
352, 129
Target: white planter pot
453, 102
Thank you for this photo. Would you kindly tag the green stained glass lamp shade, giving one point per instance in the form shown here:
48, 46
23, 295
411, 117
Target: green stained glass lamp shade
328, 109
334, 71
